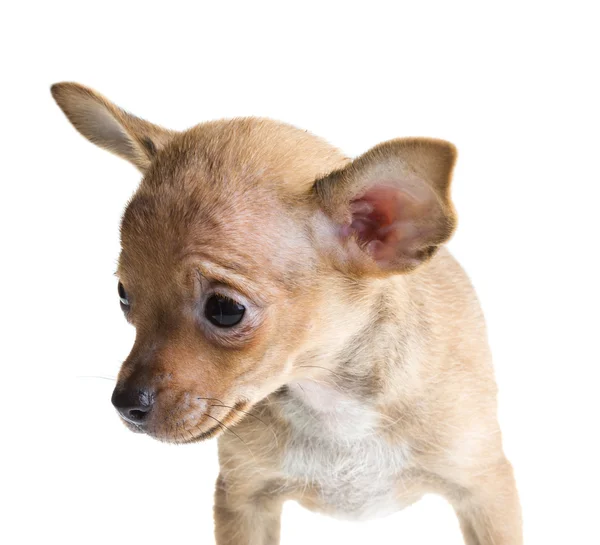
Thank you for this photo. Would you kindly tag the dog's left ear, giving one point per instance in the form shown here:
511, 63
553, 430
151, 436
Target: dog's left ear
390, 208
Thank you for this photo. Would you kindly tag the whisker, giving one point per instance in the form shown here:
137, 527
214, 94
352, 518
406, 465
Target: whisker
253, 416
229, 430
240, 411
96, 376
210, 399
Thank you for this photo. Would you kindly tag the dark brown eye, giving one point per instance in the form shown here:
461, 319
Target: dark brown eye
123, 296
222, 311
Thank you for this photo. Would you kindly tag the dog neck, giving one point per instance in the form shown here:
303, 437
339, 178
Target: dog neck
335, 384
323, 410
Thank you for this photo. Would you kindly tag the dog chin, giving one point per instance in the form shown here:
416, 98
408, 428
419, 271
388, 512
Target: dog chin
179, 438
185, 437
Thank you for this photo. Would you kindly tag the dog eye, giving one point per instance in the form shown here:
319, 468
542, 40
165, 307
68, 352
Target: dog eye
123, 296
223, 311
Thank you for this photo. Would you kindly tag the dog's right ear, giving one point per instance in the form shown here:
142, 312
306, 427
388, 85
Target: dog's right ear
108, 126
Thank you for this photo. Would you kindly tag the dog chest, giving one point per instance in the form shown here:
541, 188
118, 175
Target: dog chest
334, 450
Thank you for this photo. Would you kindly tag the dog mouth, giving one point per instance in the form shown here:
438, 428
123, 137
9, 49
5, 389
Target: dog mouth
177, 432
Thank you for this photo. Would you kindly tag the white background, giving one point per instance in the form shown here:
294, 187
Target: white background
513, 85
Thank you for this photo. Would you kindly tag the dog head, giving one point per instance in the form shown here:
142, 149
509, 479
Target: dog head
239, 246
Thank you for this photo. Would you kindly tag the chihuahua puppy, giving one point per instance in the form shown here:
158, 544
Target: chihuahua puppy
302, 306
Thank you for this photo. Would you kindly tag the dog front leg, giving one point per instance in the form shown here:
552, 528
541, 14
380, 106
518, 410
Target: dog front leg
490, 512
243, 517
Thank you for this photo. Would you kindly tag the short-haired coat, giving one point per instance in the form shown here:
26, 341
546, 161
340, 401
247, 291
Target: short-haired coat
302, 307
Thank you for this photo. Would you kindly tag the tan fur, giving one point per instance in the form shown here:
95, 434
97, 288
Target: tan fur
353, 351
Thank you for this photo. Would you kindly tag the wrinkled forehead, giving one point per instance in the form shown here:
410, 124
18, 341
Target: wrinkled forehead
170, 232
235, 192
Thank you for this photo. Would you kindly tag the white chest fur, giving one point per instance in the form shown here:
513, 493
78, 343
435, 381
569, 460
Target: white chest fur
335, 448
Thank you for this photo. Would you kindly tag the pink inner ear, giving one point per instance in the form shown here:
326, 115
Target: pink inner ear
381, 221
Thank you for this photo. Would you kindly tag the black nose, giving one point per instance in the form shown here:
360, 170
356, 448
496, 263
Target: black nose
133, 404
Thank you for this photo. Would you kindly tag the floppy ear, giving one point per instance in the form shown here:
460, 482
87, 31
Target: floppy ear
109, 127
390, 208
